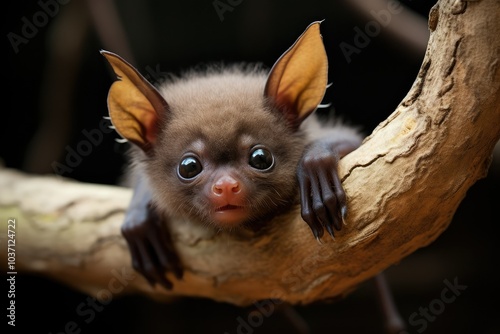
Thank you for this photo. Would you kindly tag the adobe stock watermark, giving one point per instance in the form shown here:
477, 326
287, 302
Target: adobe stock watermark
436, 306
154, 75
222, 6
74, 156
362, 38
30, 26
94, 137
87, 310
255, 319
292, 280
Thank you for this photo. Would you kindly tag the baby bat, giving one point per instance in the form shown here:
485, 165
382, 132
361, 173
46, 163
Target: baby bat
228, 147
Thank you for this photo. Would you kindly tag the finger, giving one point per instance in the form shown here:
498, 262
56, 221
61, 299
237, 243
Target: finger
329, 200
341, 210
330, 230
134, 252
162, 244
136, 258
163, 248
307, 212
337, 220
150, 266
318, 204
154, 267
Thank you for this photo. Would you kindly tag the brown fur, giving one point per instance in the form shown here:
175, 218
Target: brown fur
220, 116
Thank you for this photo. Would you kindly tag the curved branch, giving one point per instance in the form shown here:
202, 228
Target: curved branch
404, 184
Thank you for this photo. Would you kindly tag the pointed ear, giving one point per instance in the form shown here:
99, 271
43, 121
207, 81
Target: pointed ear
297, 81
134, 104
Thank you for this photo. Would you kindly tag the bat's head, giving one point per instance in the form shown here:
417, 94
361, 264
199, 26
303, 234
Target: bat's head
222, 146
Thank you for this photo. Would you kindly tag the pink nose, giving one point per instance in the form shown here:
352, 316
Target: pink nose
226, 185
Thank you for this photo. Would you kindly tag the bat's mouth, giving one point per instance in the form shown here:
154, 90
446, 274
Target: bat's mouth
228, 207
230, 215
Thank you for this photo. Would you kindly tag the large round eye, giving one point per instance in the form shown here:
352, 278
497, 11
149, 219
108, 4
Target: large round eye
261, 158
189, 167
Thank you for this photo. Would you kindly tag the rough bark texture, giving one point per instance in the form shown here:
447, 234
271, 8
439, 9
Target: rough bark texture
404, 184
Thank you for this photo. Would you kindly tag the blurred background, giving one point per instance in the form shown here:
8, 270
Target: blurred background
57, 84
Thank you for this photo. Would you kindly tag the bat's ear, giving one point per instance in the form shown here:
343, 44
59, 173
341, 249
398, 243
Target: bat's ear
134, 104
298, 80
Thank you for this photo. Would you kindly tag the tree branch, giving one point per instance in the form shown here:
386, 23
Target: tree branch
403, 184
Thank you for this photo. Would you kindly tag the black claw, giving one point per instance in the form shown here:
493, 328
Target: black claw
330, 230
343, 212
315, 233
321, 231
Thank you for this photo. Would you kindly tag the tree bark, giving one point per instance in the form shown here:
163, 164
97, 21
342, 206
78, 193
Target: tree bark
403, 185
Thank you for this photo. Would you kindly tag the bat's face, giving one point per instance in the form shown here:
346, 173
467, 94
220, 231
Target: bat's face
223, 147
224, 159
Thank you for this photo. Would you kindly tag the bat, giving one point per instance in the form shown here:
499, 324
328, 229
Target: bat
228, 147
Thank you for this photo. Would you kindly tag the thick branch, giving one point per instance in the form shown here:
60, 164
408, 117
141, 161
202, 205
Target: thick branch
404, 184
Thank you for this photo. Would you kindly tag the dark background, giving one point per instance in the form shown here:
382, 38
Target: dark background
56, 87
